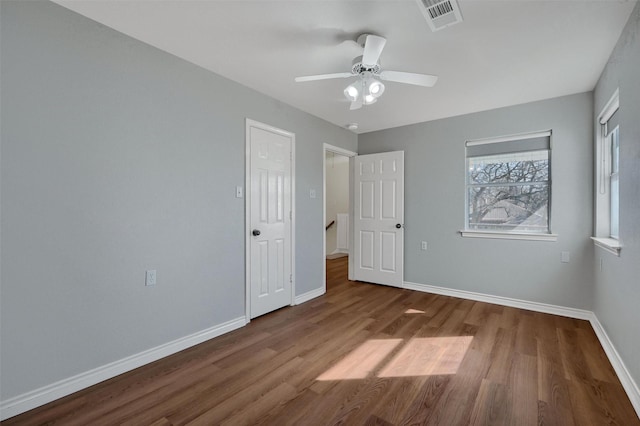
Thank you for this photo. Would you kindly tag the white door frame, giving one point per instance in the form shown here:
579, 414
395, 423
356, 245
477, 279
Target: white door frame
247, 210
350, 154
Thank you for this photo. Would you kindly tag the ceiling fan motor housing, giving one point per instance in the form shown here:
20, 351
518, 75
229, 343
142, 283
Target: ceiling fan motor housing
357, 67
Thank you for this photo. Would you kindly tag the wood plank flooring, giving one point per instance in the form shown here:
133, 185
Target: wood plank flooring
369, 355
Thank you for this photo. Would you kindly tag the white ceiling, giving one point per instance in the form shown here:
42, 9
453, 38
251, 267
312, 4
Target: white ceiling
504, 53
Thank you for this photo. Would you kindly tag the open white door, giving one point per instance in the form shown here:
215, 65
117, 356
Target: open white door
379, 218
269, 218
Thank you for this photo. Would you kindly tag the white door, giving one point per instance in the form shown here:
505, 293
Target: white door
269, 218
379, 218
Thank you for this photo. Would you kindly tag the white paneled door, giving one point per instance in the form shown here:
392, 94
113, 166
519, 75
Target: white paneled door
379, 218
269, 214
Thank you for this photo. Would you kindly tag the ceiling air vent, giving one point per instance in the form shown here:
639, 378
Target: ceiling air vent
440, 13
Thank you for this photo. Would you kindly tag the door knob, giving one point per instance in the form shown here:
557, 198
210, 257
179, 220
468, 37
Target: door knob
398, 226
255, 232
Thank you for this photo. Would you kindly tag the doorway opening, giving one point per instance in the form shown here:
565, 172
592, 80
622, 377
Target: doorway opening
338, 210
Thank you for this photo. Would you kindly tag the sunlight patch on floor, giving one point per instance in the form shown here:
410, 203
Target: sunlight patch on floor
361, 361
417, 357
413, 311
428, 356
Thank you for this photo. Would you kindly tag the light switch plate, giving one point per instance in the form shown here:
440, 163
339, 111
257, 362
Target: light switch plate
565, 257
312, 193
238, 192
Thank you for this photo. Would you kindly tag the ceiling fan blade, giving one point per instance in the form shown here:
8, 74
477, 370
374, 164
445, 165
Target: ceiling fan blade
409, 78
357, 104
323, 76
372, 49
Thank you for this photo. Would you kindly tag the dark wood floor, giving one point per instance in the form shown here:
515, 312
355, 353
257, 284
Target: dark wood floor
367, 354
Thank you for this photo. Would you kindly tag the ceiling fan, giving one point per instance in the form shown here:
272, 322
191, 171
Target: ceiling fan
368, 88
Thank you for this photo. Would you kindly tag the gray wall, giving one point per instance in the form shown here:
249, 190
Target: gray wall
435, 204
117, 158
617, 286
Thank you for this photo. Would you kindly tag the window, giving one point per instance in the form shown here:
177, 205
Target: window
509, 187
607, 228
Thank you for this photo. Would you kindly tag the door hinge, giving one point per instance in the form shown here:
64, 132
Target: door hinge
290, 214
290, 278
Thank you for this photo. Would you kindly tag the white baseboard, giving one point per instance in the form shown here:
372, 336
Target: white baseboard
30, 400
305, 297
629, 385
504, 301
337, 255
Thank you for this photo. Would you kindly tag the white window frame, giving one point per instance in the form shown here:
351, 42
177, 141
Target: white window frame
510, 235
603, 237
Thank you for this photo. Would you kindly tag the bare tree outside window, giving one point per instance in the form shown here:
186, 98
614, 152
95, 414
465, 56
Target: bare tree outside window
509, 192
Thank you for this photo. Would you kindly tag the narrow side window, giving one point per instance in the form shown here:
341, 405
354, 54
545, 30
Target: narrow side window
607, 171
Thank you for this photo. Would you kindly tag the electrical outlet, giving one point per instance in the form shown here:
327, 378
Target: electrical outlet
423, 245
150, 277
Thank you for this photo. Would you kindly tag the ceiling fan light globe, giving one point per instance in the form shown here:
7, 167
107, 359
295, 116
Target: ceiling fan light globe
370, 99
351, 92
376, 88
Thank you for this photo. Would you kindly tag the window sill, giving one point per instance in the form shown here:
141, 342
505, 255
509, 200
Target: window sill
509, 235
608, 244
